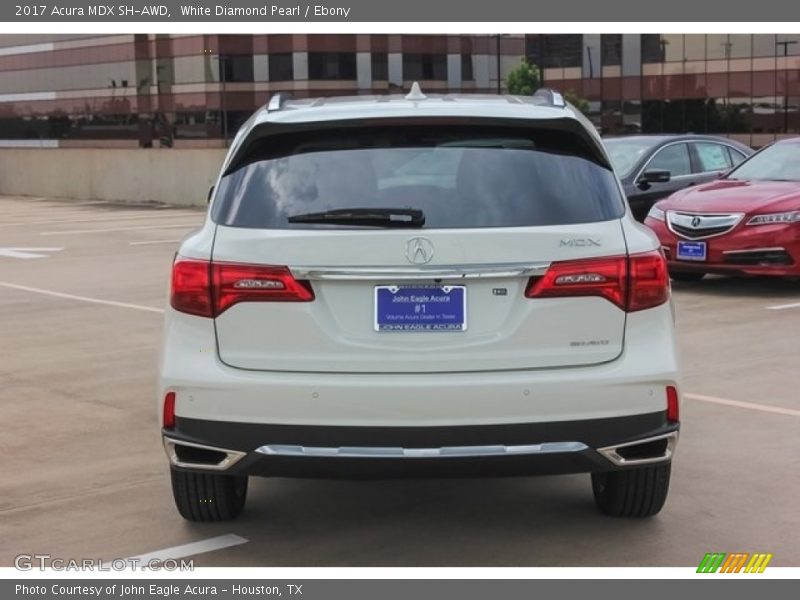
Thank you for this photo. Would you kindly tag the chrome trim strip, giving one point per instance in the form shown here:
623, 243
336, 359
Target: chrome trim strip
498, 270
748, 251
231, 456
398, 452
610, 452
670, 213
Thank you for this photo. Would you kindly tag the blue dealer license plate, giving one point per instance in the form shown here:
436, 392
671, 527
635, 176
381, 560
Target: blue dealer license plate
691, 251
420, 308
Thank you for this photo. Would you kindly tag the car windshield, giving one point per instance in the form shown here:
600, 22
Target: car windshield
779, 162
625, 153
453, 177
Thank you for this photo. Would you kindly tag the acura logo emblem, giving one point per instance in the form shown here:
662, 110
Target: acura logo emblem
419, 250
696, 222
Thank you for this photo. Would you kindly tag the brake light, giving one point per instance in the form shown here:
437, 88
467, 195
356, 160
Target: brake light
632, 283
235, 283
168, 420
207, 289
190, 291
604, 277
649, 281
673, 415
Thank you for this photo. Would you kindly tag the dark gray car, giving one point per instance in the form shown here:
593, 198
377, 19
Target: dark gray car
652, 167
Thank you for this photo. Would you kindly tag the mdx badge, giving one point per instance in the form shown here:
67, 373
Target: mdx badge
579, 242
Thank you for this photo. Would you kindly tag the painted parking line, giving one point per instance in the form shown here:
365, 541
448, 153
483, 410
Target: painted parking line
27, 253
784, 306
123, 217
192, 549
113, 229
148, 242
34, 290
778, 410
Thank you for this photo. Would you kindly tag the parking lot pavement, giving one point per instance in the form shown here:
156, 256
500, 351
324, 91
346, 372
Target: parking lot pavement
84, 474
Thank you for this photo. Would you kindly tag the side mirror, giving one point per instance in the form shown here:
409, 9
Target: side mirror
210, 193
723, 174
655, 176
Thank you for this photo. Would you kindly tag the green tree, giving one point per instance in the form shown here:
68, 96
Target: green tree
524, 79
582, 104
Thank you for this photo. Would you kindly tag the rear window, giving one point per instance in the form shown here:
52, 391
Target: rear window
459, 177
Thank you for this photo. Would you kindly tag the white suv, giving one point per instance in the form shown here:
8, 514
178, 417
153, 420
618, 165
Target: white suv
417, 285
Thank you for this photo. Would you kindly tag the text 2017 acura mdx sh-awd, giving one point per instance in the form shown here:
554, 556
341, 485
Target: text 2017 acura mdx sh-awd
418, 285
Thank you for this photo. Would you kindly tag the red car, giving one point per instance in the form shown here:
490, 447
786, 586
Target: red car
745, 223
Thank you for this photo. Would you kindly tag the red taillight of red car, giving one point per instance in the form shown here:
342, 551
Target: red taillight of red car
673, 410
632, 283
207, 289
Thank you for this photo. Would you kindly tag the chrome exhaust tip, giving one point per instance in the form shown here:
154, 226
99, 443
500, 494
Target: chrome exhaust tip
655, 449
197, 456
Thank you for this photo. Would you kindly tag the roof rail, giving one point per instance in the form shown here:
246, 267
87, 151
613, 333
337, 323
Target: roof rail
277, 101
552, 97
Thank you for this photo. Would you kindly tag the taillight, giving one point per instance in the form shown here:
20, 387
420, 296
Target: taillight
207, 289
168, 417
255, 283
673, 414
632, 283
191, 287
649, 281
604, 277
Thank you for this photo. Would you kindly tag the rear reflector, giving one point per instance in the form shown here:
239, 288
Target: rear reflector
673, 414
207, 289
168, 420
632, 283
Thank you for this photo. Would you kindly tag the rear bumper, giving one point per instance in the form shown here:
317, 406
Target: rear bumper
457, 451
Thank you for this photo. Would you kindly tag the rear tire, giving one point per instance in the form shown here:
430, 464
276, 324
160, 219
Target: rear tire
639, 492
208, 497
687, 276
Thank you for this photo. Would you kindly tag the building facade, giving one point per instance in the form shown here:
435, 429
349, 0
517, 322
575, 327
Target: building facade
195, 90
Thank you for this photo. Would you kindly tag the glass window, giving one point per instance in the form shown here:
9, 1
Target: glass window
559, 51
788, 45
425, 66
741, 45
626, 152
331, 65
718, 46
281, 67
780, 162
764, 45
674, 158
236, 68
736, 157
651, 48
712, 157
380, 66
611, 49
694, 47
457, 176
467, 73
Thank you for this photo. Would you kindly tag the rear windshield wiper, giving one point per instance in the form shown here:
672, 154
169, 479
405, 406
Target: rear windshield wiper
366, 217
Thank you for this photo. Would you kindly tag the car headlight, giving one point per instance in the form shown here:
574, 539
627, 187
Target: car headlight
656, 213
776, 218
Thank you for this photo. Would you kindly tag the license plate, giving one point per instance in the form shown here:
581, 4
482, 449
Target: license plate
691, 251
420, 308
